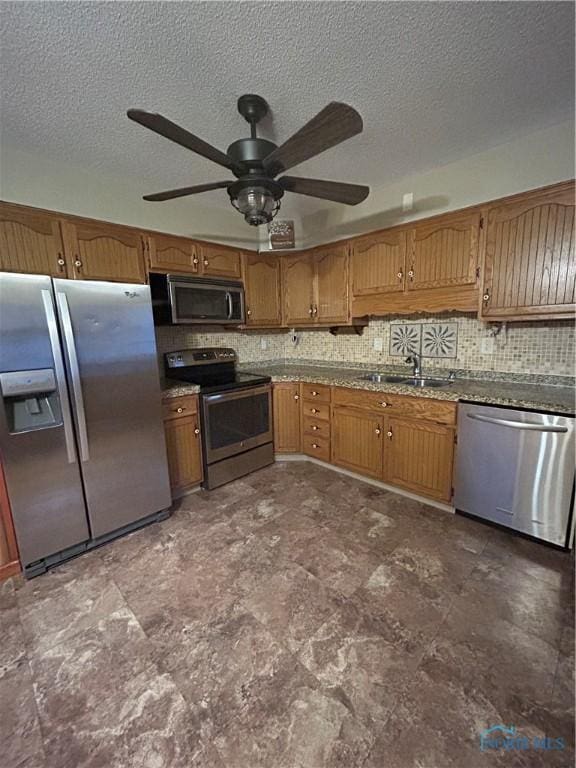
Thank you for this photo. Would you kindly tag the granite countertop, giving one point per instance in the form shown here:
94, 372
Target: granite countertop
503, 390
172, 388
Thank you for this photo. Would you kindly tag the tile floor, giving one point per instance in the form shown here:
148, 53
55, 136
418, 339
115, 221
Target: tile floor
293, 619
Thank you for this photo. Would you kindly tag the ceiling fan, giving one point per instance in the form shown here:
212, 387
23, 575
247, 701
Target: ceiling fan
255, 162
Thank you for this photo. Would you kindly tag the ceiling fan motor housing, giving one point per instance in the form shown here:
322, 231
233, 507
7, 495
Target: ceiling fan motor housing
250, 153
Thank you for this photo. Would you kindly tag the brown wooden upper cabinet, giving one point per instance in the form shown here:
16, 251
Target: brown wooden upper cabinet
104, 252
529, 258
378, 262
443, 252
298, 286
261, 275
167, 253
31, 242
219, 261
315, 287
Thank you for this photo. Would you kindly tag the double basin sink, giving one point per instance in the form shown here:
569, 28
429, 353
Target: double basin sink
411, 381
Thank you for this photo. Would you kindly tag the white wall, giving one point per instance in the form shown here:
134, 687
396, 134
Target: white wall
533, 161
34, 179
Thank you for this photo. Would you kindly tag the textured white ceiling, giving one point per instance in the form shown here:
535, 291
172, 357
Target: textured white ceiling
433, 81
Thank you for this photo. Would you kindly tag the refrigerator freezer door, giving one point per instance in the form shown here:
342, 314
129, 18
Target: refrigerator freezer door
40, 464
110, 350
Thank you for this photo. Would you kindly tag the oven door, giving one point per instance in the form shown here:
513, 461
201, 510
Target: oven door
206, 303
236, 421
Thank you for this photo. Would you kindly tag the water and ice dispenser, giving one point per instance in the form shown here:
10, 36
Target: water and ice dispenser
30, 400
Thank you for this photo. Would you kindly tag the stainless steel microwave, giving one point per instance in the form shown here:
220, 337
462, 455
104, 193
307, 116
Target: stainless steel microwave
182, 300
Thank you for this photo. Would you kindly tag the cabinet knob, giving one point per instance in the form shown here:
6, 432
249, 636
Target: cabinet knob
194, 260
77, 263
196, 431
389, 435
314, 410
384, 404
315, 427
315, 310
180, 410
314, 393
400, 274
315, 445
205, 262
411, 273
378, 431
296, 397
486, 298
60, 261
248, 312
311, 310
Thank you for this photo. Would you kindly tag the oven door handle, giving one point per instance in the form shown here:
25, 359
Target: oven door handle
235, 394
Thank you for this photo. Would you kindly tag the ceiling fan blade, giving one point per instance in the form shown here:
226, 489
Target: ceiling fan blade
335, 123
183, 191
174, 132
351, 194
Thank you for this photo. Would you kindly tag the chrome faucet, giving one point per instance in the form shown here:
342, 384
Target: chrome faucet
416, 361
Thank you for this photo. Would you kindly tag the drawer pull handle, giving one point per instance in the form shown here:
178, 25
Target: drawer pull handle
383, 403
315, 445
314, 393
315, 427
180, 410
389, 435
314, 410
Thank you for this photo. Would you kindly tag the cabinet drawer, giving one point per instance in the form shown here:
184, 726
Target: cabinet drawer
316, 446
315, 427
316, 410
178, 407
441, 411
321, 393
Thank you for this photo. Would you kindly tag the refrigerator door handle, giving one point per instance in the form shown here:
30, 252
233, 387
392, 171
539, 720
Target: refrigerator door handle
528, 426
60, 374
68, 332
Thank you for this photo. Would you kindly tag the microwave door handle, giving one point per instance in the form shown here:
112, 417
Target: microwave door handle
60, 374
68, 332
229, 304
517, 424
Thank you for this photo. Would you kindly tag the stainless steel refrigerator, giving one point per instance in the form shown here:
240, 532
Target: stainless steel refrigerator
81, 436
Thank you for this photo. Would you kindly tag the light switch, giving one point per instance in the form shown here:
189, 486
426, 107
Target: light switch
377, 345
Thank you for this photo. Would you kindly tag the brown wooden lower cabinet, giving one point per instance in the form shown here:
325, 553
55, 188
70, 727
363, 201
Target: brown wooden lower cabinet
418, 456
183, 445
9, 562
357, 441
286, 406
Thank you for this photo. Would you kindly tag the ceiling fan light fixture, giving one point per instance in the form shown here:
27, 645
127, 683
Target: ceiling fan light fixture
258, 204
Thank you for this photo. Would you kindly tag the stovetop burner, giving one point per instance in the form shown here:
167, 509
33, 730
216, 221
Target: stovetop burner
212, 368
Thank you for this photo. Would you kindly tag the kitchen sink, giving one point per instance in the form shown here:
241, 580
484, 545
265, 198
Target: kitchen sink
411, 381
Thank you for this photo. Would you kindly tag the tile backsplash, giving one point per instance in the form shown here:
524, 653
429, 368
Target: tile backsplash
461, 342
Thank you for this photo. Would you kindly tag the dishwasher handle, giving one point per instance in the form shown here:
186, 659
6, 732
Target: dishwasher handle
518, 424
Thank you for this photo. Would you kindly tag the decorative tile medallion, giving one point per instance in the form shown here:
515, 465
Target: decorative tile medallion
439, 339
405, 338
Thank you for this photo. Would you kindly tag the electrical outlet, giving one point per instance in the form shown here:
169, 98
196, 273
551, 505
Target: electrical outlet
378, 345
487, 345
408, 201
263, 343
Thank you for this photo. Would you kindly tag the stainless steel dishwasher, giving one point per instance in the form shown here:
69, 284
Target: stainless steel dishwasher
516, 468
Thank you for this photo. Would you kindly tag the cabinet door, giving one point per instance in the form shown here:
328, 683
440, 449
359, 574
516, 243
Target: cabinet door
31, 242
217, 261
9, 563
286, 406
183, 448
298, 286
262, 285
104, 252
332, 303
357, 441
419, 457
530, 260
378, 263
172, 254
444, 252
